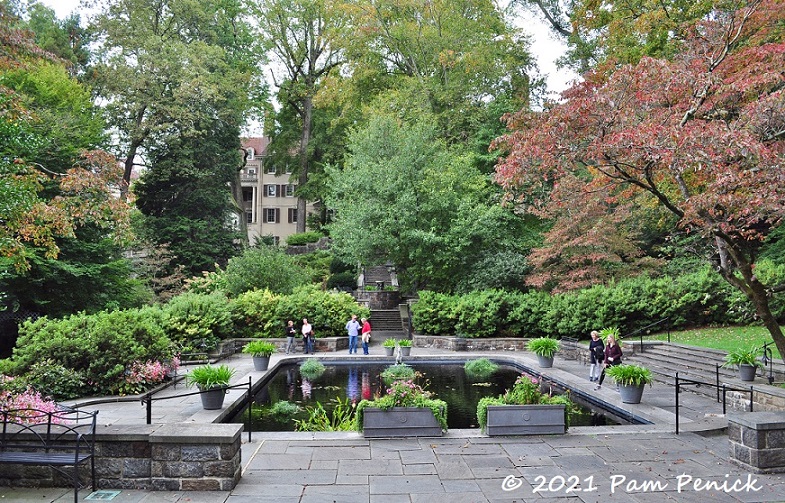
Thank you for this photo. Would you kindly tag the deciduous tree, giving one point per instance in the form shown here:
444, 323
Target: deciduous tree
701, 136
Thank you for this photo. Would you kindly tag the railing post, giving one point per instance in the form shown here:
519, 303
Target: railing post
248, 399
677, 403
751, 397
717, 380
724, 408
149, 407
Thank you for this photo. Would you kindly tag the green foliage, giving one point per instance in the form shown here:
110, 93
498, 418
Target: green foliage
326, 311
55, 380
209, 376
629, 375
264, 268
405, 394
254, 314
480, 368
341, 419
389, 343
312, 368
282, 411
259, 348
606, 332
525, 391
303, 238
398, 371
405, 343
743, 356
193, 318
543, 346
98, 347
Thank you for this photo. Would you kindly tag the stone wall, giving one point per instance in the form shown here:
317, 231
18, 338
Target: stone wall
757, 441
171, 457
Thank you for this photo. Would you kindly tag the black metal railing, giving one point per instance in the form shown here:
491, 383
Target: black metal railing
722, 390
767, 359
148, 399
640, 332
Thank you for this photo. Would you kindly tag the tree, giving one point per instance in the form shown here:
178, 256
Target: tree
700, 136
297, 35
404, 197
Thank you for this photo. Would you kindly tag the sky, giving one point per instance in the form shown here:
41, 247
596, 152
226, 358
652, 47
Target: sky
544, 45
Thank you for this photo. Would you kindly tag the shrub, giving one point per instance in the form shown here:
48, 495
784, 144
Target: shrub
141, 377
282, 411
28, 399
193, 318
254, 314
312, 369
398, 371
481, 368
99, 347
326, 311
264, 268
303, 238
55, 380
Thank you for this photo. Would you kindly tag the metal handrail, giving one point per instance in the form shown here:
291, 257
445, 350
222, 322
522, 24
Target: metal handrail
642, 335
720, 387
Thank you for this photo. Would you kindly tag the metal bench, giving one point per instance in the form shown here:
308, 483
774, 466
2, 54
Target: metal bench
58, 439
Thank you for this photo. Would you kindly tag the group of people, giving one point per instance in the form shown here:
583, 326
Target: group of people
354, 328
602, 356
307, 334
357, 329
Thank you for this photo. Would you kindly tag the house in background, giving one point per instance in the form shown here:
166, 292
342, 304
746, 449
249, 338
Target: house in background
268, 198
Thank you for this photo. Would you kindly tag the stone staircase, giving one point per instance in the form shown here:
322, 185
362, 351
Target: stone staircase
699, 364
376, 275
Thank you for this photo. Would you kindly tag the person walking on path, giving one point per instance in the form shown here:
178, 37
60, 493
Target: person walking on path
613, 356
307, 332
290, 333
366, 334
353, 328
596, 355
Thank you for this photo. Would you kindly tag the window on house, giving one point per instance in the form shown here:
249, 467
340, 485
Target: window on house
250, 153
290, 190
271, 190
271, 169
251, 171
249, 217
272, 215
247, 195
292, 215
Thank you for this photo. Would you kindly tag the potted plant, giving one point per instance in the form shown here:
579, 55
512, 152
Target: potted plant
544, 348
212, 382
389, 346
524, 410
746, 359
631, 380
406, 346
261, 352
406, 410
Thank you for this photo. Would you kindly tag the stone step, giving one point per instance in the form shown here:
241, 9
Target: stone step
386, 319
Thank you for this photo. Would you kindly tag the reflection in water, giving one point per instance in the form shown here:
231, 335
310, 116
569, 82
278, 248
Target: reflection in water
291, 382
366, 386
306, 387
352, 386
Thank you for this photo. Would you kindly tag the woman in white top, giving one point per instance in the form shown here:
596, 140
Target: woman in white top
307, 331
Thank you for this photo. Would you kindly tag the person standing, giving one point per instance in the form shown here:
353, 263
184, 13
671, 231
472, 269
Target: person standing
613, 356
353, 328
366, 334
290, 332
596, 355
307, 332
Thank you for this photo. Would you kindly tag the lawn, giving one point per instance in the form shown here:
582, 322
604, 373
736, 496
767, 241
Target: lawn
724, 338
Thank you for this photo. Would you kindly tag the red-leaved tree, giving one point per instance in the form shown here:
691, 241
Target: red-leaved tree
699, 138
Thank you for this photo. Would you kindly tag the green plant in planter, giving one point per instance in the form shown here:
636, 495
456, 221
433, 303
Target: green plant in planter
311, 369
405, 394
742, 356
210, 376
389, 343
629, 375
543, 346
525, 391
405, 343
481, 368
614, 331
398, 371
259, 348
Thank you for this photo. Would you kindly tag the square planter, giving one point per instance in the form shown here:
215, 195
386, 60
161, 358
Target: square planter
525, 420
400, 422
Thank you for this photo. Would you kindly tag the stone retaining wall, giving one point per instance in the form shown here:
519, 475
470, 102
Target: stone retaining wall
757, 441
171, 457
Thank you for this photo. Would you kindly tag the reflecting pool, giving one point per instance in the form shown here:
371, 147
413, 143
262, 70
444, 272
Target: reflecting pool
352, 382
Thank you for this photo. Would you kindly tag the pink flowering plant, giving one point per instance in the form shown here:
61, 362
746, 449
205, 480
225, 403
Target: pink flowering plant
142, 376
525, 391
22, 401
405, 393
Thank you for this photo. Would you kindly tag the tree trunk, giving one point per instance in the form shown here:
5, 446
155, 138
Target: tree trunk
305, 138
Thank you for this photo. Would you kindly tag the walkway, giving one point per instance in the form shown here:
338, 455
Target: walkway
645, 463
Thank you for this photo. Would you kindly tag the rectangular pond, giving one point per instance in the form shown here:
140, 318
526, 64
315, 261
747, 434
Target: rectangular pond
353, 381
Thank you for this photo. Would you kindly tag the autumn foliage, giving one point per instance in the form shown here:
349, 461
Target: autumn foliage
696, 142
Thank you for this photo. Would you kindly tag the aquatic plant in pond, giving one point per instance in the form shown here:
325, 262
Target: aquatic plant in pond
398, 371
481, 368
